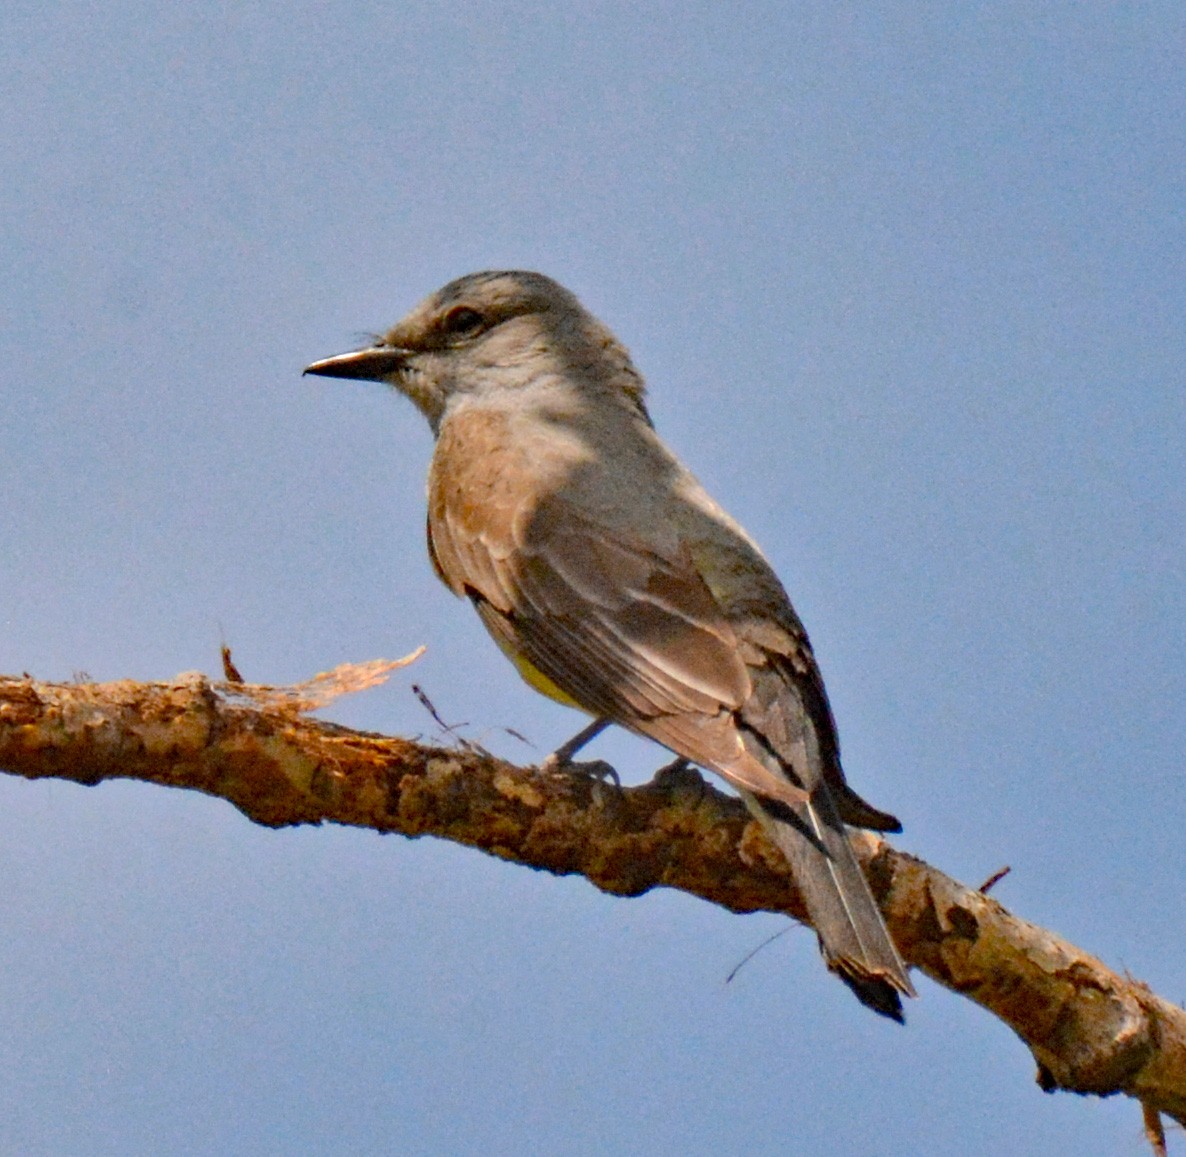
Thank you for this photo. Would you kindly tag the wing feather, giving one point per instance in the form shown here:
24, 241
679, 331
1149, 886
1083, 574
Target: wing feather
632, 635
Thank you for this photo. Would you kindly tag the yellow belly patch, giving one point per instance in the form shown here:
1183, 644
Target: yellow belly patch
535, 678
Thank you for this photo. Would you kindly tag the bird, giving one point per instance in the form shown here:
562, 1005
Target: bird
616, 585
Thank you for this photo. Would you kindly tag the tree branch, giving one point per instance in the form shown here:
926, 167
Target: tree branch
1090, 1030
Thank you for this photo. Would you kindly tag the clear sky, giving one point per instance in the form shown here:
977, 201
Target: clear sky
907, 281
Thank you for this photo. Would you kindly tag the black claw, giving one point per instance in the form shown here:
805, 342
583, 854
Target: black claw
596, 769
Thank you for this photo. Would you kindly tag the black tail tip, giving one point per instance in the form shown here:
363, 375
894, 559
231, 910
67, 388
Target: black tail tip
879, 995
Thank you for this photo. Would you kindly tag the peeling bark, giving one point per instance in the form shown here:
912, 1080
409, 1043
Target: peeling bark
1090, 1029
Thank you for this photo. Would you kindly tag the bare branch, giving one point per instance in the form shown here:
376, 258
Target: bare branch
1089, 1029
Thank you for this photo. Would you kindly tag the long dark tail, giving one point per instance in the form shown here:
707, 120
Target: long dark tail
853, 937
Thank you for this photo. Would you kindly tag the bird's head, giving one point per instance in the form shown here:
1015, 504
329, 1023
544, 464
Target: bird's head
491, 332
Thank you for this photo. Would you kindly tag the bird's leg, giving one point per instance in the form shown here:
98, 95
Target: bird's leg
565, 752
561, 759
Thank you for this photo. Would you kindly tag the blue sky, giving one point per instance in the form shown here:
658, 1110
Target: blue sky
907, 285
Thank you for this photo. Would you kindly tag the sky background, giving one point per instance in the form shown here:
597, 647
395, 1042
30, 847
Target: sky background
907, 282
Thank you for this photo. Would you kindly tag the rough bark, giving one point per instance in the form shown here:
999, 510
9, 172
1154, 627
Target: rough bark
1090, 1029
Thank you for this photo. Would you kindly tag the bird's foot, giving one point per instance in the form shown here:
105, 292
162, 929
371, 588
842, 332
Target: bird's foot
561, 761
679, 775
672, 770
596, 769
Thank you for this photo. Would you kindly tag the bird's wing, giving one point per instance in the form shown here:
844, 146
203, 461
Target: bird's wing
630, 632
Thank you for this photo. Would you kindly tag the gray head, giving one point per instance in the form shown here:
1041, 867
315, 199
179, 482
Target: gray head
499, 330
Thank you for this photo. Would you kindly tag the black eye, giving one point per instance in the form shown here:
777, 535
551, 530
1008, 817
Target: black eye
462, 321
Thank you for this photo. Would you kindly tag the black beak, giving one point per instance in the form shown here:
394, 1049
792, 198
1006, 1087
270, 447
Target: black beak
375, 364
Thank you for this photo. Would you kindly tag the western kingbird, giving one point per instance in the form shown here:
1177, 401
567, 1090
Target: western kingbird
615, 584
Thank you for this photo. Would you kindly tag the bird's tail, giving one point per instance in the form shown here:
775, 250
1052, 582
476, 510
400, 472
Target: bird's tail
853, 937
